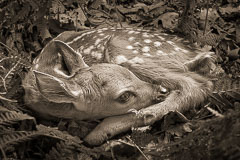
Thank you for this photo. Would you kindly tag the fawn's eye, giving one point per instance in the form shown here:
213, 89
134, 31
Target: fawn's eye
125, 97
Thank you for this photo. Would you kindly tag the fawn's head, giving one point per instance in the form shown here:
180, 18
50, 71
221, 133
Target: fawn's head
98, 91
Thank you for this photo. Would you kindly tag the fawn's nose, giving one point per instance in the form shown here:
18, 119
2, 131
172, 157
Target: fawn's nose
160, 94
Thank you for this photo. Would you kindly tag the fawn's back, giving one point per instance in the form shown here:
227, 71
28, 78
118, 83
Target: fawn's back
128, 45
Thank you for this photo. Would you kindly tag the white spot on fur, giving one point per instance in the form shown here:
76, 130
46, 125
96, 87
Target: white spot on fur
136, 32
151, 35
104, 29
157, 44
129, 47
136, 60
159, 52
147, 41
170, 42
121, 59
147, 54
77, 38
131, 38
101, 34
160, 37
177, 49
173, 53
131, 32
184, 50
145, 49
137, 44
145, 35
90, 32
135, 52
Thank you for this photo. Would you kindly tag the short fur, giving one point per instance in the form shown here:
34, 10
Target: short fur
176, 71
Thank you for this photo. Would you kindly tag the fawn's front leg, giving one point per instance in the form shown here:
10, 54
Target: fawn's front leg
186, 90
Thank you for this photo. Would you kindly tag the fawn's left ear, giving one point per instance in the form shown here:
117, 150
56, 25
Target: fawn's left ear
55, 89
72, 59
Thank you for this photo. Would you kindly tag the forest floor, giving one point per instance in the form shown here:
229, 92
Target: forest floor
210, 132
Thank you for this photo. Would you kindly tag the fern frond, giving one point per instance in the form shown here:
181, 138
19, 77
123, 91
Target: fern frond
17, 137
225, 85
57, 7
69, 147
6, 99
55, 133
22, 14
210, 39
63, 151
4, 129
10, 117
223, 89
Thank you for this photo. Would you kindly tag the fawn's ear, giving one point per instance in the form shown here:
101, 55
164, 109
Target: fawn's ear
55, 89
72, 59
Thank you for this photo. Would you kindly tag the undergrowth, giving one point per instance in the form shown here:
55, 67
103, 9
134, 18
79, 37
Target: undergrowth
27, 26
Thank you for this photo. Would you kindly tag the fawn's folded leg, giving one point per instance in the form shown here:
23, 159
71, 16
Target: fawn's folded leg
178, 100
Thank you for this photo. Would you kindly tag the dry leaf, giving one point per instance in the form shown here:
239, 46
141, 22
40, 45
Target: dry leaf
229, 10
233, 54
169, 20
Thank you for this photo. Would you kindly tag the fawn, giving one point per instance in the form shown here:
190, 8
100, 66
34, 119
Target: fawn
105, 72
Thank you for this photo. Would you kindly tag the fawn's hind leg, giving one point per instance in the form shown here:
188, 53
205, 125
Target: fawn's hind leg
204, 64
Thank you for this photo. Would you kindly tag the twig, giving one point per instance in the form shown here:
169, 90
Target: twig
5, 58
116, 10
4, 84
205, 26
137, 148
3, 153
6, 99
216, 113
10, 49
12, 69
112, 152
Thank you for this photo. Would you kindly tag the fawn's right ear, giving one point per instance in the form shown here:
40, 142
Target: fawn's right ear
72, 59
55, 89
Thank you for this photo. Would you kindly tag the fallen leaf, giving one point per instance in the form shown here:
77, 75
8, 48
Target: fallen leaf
169, 20
233, 54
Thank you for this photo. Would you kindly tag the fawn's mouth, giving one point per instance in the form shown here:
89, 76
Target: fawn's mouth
160, 94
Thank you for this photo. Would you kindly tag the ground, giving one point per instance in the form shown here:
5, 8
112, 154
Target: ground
211, 131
